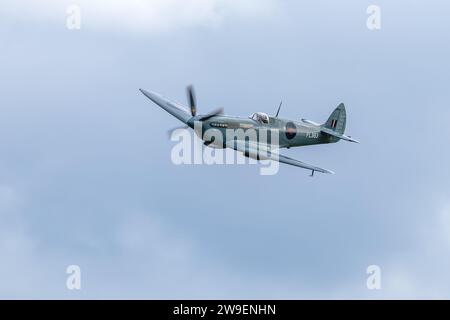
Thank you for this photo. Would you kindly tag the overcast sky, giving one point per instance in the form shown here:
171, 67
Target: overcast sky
86, 177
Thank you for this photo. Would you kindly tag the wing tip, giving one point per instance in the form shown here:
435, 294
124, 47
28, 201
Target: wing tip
148, 94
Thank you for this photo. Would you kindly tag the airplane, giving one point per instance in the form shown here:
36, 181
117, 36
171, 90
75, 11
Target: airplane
291, 133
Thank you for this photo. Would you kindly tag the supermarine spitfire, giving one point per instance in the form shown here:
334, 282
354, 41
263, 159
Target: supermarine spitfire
290, 133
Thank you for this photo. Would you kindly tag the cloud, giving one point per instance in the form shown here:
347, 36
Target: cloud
420, 271
444, 224
8, 198
146, 234
141, 15
13, 236
83, 152
16, 246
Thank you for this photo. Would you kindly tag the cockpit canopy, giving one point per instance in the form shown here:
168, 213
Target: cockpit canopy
260, 117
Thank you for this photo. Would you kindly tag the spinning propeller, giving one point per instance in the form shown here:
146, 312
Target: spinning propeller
192, 106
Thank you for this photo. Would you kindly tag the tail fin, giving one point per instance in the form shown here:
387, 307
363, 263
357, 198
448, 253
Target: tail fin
337, 119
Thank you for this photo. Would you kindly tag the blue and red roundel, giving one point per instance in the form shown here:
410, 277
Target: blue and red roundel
291, 130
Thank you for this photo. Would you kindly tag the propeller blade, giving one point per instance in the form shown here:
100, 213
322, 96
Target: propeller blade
211, 114
191, 99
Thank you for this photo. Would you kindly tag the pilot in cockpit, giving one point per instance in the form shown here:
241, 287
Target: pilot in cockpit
260, 117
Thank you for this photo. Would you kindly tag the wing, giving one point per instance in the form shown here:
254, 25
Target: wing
300, 164
264, 152
171, 107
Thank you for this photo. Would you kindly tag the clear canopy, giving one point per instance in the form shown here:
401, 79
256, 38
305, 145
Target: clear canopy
260, 117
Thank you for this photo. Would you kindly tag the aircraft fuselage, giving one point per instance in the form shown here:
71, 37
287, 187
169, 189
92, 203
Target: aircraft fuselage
290, 133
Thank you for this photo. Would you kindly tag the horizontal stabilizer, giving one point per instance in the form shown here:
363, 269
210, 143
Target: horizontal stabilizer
338, 135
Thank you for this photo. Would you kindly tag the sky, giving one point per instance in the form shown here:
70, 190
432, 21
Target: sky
86, 177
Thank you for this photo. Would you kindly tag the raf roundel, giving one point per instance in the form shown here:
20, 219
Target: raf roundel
291, 130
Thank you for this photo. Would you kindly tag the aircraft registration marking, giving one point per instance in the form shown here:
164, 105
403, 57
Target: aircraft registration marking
312, 135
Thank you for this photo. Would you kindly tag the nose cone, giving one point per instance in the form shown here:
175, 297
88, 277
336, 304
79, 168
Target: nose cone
191, 122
